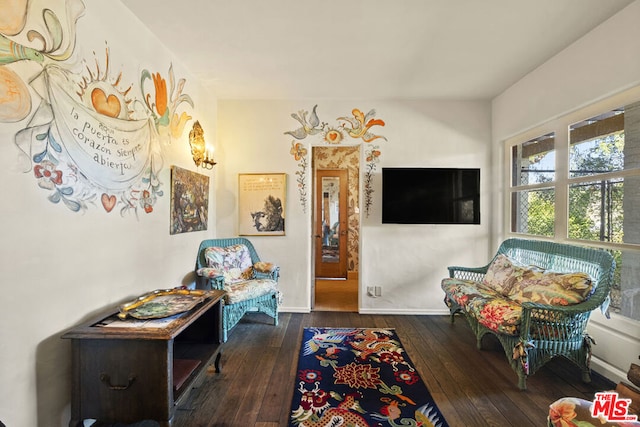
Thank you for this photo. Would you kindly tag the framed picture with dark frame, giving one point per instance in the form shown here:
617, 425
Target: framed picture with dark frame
261, 204
189, 201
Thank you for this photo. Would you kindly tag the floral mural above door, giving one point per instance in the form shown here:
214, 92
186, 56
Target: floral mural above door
355, 127
91, 139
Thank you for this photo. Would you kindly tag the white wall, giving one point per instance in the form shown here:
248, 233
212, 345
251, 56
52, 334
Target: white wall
407, 261
58, 267
601, 64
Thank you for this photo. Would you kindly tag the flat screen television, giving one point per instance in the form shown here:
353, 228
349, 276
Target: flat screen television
430, 196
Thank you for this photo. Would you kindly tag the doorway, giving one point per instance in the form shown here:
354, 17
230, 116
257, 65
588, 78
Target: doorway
336, 248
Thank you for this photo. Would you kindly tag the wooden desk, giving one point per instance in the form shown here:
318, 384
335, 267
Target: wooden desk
129, 374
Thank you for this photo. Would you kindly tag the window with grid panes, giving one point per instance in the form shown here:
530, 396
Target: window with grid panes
584, 188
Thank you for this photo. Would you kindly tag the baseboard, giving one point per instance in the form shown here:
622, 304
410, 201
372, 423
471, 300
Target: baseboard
608, 371
406, 312
282, 309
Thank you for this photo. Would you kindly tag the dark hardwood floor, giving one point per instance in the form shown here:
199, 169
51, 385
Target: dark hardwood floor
471, 387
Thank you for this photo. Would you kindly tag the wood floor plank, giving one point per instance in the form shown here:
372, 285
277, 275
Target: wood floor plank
277, 336
256, 388
500, 379
471, 387
280, 391
198, 411
241, 370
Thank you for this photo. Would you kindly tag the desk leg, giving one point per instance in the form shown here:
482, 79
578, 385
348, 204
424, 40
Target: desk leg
217, 363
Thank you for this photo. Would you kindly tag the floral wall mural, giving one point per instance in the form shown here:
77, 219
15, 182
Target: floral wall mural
94, 136
356, 127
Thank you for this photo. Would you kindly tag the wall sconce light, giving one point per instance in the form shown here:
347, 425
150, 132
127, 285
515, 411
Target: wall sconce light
201, 155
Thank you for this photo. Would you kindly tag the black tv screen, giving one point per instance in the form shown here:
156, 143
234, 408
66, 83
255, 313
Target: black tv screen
430, 196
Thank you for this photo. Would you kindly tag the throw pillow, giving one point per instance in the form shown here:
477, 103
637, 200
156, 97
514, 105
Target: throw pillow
547, 287
234, 262
502, 273
264, 267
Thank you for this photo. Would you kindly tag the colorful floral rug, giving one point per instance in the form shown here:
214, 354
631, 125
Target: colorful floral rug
359, 377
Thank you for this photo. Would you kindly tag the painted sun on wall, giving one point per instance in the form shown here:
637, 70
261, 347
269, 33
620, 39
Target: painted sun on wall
356, 127
91, 139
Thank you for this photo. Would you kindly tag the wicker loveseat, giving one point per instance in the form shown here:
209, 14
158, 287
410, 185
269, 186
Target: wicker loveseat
536, 298
234, 266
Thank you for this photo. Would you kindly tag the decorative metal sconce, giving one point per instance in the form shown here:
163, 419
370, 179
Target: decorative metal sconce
201, 156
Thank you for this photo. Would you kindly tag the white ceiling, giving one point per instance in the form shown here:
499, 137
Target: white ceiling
371, 49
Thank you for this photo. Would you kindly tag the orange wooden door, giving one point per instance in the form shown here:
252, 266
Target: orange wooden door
331, 223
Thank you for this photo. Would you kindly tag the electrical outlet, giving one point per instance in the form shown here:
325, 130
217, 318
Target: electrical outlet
374, 291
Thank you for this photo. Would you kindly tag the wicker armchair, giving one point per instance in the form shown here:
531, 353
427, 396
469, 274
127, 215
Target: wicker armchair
233, 265
544, 331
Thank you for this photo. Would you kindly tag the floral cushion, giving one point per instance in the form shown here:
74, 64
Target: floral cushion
462, 292
209, 273
534, 284
232, 262
488, 307
551, 288
496, 301
499, 314
502, 273
572, 411
244, 290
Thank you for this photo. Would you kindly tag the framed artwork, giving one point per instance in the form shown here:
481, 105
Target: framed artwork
189, 201
261, 204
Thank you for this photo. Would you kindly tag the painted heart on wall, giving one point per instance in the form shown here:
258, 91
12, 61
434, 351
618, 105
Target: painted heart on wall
105, 105
108, 202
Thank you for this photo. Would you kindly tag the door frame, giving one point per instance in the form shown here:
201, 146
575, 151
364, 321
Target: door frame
318, 158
